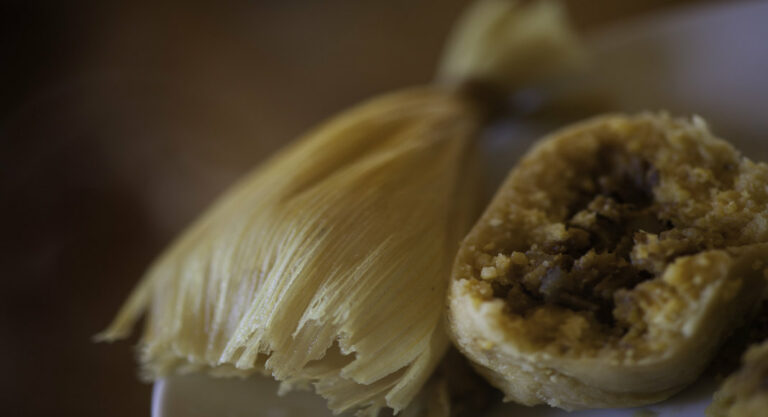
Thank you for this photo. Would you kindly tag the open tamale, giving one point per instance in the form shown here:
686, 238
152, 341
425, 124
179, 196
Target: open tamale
327, 267
745, 393
612, 263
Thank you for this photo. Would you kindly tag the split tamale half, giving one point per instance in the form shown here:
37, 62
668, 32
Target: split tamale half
745, 393
327, 267
612, 263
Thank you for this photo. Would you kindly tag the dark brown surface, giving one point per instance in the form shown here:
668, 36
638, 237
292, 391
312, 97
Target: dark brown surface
119, 123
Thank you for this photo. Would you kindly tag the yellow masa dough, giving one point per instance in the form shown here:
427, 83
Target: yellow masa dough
745, 393
612, 263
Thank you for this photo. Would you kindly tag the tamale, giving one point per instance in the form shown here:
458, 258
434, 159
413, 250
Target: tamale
745, 393
327, 266
612, 263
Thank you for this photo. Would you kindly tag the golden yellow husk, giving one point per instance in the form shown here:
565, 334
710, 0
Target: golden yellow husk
328, 265
510, 45
344, 238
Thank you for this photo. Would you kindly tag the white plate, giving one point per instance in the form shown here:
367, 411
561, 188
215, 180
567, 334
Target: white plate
711, 61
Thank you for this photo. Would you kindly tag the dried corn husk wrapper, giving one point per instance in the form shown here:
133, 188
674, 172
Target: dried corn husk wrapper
328, 265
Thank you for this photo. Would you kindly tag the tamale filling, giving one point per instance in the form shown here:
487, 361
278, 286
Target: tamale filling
614, 236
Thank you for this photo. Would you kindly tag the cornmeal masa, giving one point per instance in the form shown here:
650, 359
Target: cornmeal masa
745, 393
612, 262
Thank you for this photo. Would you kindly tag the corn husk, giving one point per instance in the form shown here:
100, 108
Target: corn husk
341, 243
328, 265
510, 45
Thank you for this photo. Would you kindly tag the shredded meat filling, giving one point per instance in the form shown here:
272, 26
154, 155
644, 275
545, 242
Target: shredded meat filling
615, 236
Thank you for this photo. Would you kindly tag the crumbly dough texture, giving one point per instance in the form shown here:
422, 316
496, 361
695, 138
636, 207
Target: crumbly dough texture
745, 393
612, 263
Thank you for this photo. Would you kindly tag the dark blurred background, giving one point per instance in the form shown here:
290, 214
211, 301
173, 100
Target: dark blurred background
120, 121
